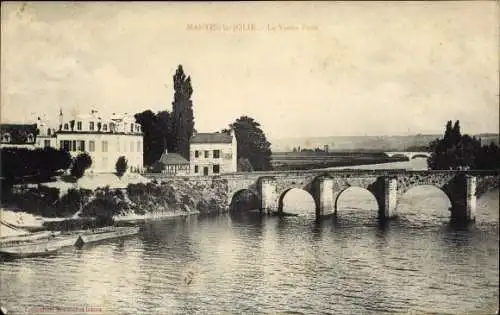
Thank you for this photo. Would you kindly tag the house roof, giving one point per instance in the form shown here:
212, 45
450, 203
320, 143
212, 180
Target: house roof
19, 133
172, 159
211, 138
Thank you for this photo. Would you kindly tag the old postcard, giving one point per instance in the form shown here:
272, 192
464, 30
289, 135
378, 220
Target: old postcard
249, 158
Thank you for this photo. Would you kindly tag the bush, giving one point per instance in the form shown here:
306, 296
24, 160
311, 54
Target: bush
121, 166
82, 162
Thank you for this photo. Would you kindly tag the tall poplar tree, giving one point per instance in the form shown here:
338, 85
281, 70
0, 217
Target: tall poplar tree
182, 112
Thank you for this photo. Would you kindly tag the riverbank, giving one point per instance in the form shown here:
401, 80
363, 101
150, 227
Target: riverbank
284, 161
24, 220
38, 205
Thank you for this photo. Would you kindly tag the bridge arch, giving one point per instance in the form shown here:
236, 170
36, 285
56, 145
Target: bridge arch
415, 198
309, 197
352, 188
243, 200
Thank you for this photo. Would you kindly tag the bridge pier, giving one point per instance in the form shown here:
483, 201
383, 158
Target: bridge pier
326, 201
387, 198
463, 208
269, 196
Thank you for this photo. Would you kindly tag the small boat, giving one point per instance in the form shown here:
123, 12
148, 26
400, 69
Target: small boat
29, 237
100, 234
38, 247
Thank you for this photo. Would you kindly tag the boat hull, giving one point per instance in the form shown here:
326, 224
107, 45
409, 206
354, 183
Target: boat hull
93, 237
41, 248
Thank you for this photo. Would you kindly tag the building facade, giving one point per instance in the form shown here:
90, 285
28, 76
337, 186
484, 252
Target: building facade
104, 139
18, 136
213, 153
173, 164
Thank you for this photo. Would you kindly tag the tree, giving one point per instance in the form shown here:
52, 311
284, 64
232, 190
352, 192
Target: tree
158, 134
82, 162
182, 112
121, 166
252, 143
457, 151
244, 165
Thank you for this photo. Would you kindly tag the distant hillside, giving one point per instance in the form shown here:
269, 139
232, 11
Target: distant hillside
368, 143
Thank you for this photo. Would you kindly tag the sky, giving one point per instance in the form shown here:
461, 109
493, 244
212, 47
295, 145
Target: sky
299, 69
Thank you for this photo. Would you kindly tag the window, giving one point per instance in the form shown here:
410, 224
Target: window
79, 125
66, 127
196, 153
49, 132
228, 156
91, 146
206, 154
125, 147
111, 127
131, 127
6, 137
139, 146
31, 138
196, 167
81, 146
131, 146
104, 146
216, 169
46, 143
216, 154
65, 145
91, 125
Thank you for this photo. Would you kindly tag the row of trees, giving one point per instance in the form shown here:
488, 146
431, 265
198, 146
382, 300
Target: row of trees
173, 131
24, 165
456, 151
37, 165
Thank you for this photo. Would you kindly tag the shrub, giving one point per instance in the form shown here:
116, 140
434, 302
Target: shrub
121, 166
82, 162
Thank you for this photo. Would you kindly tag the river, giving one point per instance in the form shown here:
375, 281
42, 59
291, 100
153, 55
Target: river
251, 264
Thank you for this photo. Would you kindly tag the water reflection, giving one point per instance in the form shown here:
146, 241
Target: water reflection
244, 262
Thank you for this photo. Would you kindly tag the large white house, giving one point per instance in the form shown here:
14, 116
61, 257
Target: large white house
213, 153
104, 139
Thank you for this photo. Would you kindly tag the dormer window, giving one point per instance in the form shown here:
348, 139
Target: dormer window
31, 138
131, 127
6, 137
105, 127
66, 126
91, 126
79, 125
49, 132
111, 127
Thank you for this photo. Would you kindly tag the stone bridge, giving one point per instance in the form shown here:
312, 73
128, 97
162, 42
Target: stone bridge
409, 155
325, 187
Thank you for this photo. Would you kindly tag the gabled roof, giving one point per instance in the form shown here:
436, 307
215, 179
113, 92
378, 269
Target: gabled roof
172, 159
211, 138
18, 133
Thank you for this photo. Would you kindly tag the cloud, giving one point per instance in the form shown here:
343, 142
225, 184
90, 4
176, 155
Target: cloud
370, 68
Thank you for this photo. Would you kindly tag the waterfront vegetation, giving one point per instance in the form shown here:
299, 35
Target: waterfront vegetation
456, 151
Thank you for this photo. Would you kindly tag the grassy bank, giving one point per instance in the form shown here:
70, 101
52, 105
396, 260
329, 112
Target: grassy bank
311, 160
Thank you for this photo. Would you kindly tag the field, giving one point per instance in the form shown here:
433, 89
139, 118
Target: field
313, 160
